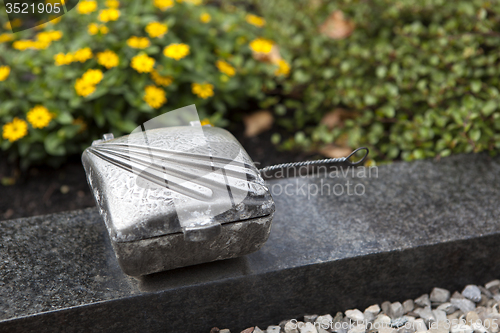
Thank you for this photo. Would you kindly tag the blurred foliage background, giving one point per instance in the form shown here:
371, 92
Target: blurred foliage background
408, 79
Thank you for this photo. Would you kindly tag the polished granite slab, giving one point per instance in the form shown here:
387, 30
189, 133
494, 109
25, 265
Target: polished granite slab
394, 232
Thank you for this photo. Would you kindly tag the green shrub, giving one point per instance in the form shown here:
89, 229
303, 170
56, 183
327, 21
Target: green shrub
108, 66
415, 79
420, 78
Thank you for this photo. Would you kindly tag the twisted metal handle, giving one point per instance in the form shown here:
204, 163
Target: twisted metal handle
272, 168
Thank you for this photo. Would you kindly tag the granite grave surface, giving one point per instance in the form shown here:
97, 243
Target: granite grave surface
416, 225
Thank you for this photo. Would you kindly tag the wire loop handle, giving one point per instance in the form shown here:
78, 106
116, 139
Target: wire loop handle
272, 168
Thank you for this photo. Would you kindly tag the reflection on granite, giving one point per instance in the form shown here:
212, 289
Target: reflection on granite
416, 226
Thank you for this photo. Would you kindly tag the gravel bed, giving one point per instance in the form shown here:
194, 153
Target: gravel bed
474, 310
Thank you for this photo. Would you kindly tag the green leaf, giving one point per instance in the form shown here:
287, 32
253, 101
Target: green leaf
475, 86
64, 118
489, 107
475, 134
370, 99
53, 145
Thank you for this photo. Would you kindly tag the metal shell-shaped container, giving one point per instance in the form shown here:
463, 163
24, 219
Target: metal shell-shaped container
178, 196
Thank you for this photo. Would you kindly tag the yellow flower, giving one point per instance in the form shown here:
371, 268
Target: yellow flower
142, 63
86, 6
25, 44
205, 121
138, 42
156, 29
4, 72
22, 44
176, 51
283, 69
49, 36
154, 96
161, 80
203, 90
15, 23
93, 28
63, 59
40, 45
255, 20
205, 17
6, 37
92, 76
112, 3
111, 14
225, 68
83, 55
39, 116
15, 130
261, 45
163, 4
108, 59
54, 1
55, 35
83, 88
192, 2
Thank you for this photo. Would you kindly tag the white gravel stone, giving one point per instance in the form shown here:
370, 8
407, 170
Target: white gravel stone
486, 292
273, 329
382, 320
225, 331
464, 305
373, 309
478, 328
291, 327
355, 315
324, 321
457, 295
439, 295
426, 314
491, 324
386, 307
472, 292
387, 330
471, 317
447, 307
408, 305
423, 301
439, 327
406, 329
369, 317
455, 315
461, 328
358, 329
396, 310
308, 328
492, 285
419, 325
472, 311
440, 315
